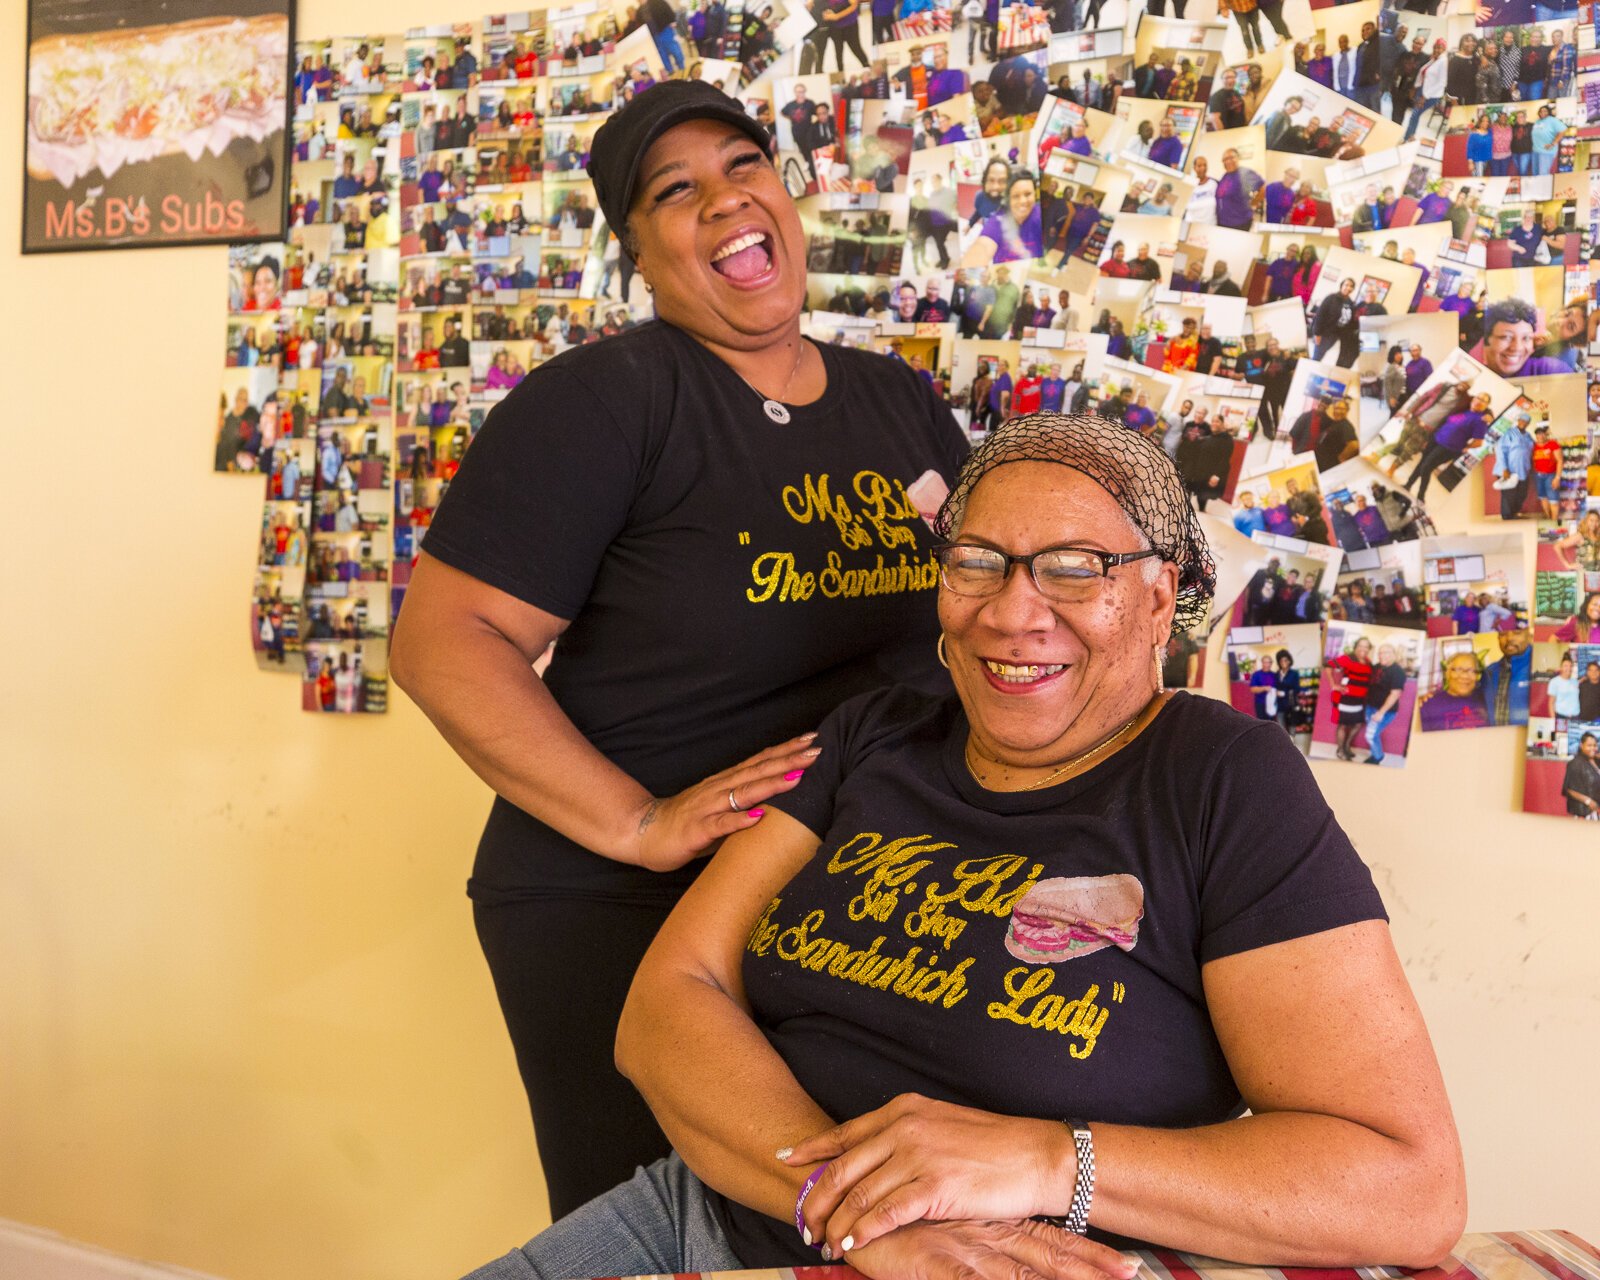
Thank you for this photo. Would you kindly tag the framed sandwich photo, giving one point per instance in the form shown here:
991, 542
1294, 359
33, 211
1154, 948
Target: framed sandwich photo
156, 122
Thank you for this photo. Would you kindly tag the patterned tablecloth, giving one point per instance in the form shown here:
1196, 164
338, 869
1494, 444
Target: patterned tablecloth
1499, 1255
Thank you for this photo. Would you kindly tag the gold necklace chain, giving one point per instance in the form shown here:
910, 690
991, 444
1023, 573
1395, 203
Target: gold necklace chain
966, 756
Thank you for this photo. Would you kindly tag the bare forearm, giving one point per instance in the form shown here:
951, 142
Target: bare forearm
720, 1092
1287, 1188
488, 704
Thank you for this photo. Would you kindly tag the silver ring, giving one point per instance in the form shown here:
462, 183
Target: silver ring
732, 803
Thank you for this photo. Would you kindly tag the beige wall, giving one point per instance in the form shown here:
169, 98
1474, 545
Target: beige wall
243, 1023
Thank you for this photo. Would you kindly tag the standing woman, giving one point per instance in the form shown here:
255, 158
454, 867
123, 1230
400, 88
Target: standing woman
696, 508
1305, 277
1352, 674
842, 22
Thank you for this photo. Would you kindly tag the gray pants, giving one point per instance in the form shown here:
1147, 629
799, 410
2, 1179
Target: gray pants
656, 1223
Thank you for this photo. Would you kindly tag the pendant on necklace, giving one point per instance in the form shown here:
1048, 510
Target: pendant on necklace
777, 412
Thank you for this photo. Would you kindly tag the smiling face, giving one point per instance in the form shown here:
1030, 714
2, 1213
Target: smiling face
719, 239
265, 286
1460, 675
1514, 642
1089, 663
1023, 196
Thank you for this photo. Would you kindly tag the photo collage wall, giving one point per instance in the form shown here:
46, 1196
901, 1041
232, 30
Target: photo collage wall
1335, 259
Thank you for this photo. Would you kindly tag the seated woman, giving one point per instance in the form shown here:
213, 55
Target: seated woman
1033, 949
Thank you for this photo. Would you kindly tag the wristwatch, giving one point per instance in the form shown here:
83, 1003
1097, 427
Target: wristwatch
1077, 1219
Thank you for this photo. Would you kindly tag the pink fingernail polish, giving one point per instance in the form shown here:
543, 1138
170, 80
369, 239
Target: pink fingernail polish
755, 813
792, 774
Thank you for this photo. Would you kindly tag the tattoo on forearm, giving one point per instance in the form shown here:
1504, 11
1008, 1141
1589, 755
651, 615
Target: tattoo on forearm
649, 815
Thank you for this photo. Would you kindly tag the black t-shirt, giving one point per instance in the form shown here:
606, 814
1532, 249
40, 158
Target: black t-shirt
1588, 700
1337, 435
1385, 680
912, 954
636, 488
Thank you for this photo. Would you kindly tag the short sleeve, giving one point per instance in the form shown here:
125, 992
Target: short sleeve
1276, 864
544, 489
847, 735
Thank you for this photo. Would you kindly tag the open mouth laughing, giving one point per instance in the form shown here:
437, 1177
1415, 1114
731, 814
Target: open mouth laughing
745, 259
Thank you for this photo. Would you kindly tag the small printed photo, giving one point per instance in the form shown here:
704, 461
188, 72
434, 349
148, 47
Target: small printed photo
1138, 248
497, 367
1366, 513
275, 607
1567, 584
1369, 685
1562, 774
369, 64
1155, 133
315, 79
1183, 660
1154, 193
1525, 458
1394, 362
1296, 194
442, 57
358, 386
1018, 89
1450, 412
354, 611
1532, 325
356, 456
1475, 583
1090, 68
1303, 117
1176, 60
1382, 585
253, 340
288, 468
346, 676
247, 417
864, 243
1073, 129
1293, 583
255, 277
507, 109
1273, 674
1476, 681
284, 537
569, 217
1352, 287
1317, 421
1229, 187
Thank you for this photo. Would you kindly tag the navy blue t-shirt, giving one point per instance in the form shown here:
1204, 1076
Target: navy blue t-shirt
1033, 953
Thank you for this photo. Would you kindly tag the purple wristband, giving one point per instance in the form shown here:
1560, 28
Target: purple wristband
800, 1200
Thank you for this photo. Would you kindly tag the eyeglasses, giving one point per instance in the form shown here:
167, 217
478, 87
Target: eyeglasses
1066, 574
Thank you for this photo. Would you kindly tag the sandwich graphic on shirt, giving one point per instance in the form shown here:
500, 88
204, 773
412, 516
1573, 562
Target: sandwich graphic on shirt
1067, 918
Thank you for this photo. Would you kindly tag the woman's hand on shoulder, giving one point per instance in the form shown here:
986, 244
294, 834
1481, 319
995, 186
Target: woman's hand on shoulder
918, 1159
675, 830
988, 1251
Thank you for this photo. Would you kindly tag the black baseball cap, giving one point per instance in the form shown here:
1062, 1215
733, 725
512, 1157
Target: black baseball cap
620, 143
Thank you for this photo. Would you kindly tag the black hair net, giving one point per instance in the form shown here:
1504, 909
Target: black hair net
1135, 471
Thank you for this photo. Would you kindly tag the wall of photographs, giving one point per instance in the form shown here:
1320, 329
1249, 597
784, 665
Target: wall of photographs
1334, 257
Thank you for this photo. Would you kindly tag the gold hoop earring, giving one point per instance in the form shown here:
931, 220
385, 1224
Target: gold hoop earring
939, 649
1161, 680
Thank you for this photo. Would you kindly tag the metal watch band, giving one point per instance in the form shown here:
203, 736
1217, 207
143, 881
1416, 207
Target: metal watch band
1077, 1220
